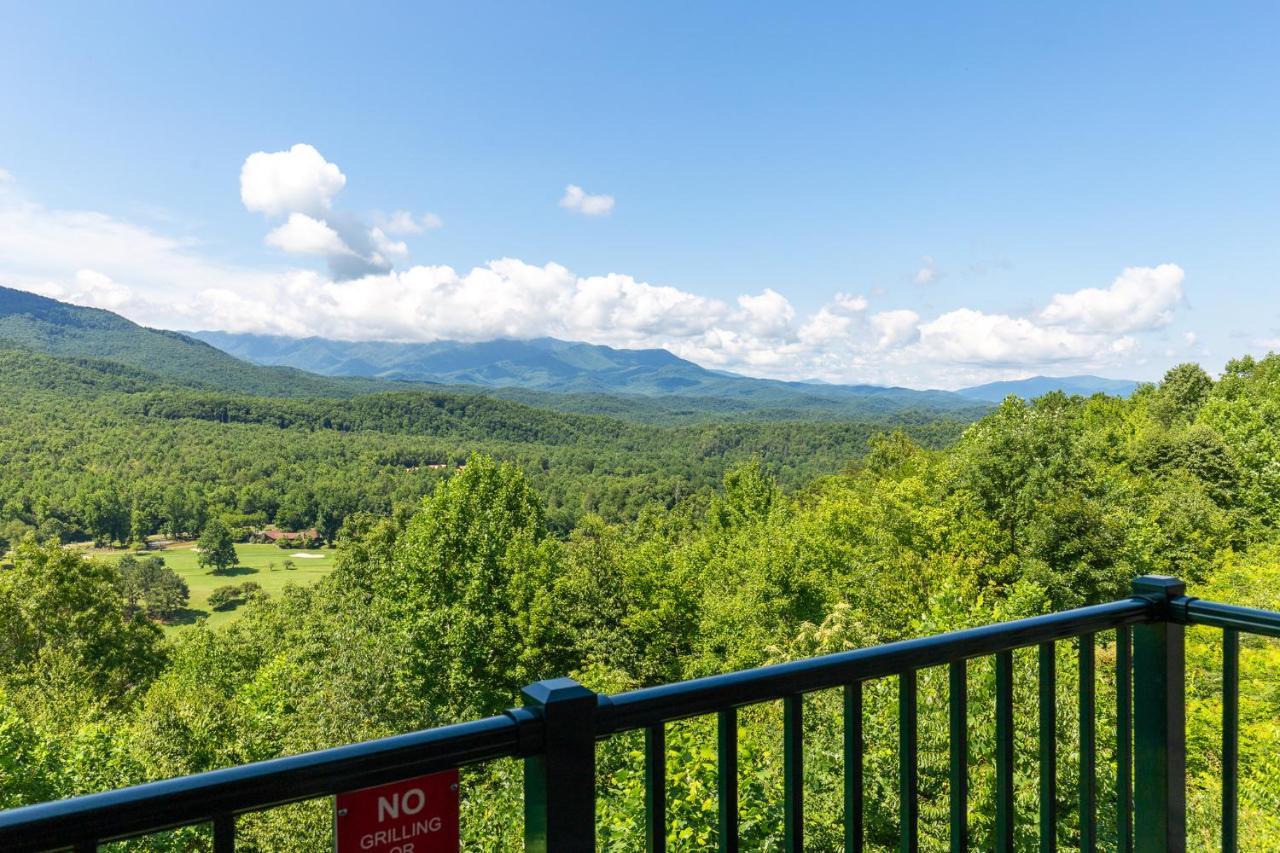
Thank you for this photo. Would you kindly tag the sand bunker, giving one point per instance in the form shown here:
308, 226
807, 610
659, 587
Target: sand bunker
308, 556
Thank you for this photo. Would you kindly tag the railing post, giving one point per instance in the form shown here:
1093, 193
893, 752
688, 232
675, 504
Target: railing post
1159, 716
559, 782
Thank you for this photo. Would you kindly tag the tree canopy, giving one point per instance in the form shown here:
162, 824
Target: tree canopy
450, 596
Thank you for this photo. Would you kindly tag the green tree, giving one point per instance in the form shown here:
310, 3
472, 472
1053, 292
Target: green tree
471, 583
1182, 392
56, 605
217, 549
224, 597
147, 585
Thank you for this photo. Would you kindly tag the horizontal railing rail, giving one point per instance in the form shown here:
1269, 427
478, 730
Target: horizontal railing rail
1195, 611
211, 797
557, 730
669, 702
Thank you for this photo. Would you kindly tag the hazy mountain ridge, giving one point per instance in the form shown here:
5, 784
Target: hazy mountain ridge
567, 367
55, 328
645, 385
1037, 386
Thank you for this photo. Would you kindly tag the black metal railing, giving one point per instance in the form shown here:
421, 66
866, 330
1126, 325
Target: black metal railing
557, 729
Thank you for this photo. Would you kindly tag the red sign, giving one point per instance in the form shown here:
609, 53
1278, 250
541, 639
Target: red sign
410, 816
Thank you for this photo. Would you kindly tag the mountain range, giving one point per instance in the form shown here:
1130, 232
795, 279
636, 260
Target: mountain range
647, 384
549, 364
1036, 386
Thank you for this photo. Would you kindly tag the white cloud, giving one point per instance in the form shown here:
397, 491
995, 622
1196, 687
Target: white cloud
835, 321
967, 336
302, 235
403, 222
95, 259
42, 247
301, 183
895, 328
89, 287
388, 248
576, 198
1190, 338
928, 272
280, 182
1269, 344
1141, 298
770, 314
5, 176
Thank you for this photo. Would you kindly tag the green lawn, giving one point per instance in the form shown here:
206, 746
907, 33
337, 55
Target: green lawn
256, 563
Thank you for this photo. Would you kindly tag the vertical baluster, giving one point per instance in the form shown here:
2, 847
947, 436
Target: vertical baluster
1230, 739
793, 773
224, 833
1159, 721
1088, 749
909, 805
655, 788
727, 735
1124, 742
853, 768
1004, 752
1048, 749
959, 676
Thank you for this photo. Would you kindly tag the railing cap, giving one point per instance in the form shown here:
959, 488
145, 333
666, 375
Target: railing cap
1159, 587
555, 690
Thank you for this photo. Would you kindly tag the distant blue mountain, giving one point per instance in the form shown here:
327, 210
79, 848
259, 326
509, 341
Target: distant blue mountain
568, 367
1036, 386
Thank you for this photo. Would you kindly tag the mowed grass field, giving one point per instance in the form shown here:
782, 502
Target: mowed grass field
262, 564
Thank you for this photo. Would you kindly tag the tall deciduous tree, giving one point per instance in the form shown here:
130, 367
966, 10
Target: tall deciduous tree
57, 605
471, 584
217, 549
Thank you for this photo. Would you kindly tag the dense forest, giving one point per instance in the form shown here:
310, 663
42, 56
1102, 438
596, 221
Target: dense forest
97, 450
457, 586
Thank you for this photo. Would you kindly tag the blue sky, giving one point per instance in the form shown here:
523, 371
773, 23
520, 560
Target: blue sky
934, 196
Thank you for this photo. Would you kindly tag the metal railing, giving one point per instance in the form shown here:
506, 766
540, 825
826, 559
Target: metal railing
557, 729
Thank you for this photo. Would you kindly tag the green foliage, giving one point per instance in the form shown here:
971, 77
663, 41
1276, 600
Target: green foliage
60, 612
227, 597
469, 585
217, 548
454, 587
148, 586
251, 462
1184, 390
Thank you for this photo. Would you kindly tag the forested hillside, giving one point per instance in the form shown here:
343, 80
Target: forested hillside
97, 450
32, 322
572, 367
650, 386
452, 592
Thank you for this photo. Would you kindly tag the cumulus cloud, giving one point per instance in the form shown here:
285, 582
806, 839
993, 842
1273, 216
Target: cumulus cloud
95, 259
301, 184
91, 288
577, 199
835, 321
1141, 298
973, 337
302, 235
895, 328
387, 247
769, 314
5, 176
280, 182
